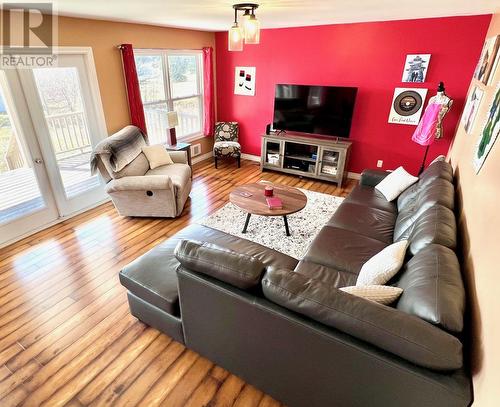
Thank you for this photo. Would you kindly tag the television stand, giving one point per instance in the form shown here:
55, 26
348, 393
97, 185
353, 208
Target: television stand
323, 159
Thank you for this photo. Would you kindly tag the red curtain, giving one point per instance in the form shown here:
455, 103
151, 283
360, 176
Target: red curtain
208, 92
133, 90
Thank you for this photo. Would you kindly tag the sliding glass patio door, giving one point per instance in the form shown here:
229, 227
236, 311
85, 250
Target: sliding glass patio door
50, 118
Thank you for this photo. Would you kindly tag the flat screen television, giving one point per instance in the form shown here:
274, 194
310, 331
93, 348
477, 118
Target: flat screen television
317, 110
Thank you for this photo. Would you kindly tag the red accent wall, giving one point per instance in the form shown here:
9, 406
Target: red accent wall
369, 56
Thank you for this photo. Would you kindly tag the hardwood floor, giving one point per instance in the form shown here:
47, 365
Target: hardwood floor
66, 336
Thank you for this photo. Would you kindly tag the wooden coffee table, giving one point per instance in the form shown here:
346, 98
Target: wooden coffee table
293, 201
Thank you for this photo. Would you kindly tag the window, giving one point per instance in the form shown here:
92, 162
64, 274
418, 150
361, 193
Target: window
171, 80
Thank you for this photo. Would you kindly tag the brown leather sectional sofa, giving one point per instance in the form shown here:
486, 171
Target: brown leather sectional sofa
284, 326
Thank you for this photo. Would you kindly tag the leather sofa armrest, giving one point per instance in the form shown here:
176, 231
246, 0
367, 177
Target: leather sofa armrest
370, 178
178, 157
390, 329
240, 270
140, 183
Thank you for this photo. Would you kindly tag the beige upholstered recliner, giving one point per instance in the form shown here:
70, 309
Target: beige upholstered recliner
135, 189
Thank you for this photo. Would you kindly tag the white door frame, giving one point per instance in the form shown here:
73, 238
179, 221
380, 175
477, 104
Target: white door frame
31, 224
23, 125
95, 120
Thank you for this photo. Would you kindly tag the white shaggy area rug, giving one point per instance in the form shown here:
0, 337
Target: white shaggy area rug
269, 231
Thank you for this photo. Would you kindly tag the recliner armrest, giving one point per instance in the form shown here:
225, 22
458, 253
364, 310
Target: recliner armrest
178, 157
240, 270
140, 183
371, 178
390, 329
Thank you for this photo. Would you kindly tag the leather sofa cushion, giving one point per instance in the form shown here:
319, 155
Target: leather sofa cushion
370, 177
432, 288
370, 222
434, 226
387, 328
331, 276
342, 249
436, 173
371, 198
438, 169
152, 277
439, 192
240, 270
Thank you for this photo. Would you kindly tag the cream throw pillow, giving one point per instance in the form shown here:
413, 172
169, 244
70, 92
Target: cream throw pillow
383, 294
157, 156
384, 265
395, 183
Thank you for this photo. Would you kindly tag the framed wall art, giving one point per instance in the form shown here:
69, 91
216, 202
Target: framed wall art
487, 60
416, 67
244, 81
407, 105
471, 108
489, 133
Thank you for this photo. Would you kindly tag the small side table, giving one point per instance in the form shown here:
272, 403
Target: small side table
181, 147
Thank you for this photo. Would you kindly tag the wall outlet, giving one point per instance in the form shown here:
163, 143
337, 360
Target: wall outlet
195, 150
380, 163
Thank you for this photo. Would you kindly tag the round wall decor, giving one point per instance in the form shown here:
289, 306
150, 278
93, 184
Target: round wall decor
407, 103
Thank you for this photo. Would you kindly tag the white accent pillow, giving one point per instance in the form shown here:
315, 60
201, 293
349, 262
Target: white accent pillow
383, 294
157, 156
384, 265
395, 183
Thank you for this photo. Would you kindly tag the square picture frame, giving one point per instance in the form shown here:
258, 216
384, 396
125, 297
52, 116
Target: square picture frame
416, 67
244, 80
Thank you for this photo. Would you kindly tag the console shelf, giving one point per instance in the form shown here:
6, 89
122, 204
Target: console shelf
306, 156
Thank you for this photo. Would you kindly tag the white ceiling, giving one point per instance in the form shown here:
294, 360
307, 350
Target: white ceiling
217, 15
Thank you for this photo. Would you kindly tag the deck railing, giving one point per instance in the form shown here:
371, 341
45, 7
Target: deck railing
156, 120
13, 155
68, 132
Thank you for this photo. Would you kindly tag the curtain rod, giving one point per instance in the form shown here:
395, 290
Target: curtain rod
163, 49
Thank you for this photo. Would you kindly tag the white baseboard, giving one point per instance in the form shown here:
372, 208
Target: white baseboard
202, 157
250, 157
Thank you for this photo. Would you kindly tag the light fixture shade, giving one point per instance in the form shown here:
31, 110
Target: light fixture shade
252, 30
172, 120
235, 38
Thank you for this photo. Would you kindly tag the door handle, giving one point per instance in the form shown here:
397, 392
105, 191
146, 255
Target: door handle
38, 161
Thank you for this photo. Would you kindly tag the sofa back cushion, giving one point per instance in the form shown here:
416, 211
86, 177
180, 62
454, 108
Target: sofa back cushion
434, 226
139, 166
438, 192
432, 288
437, 170
238, 269
387, 328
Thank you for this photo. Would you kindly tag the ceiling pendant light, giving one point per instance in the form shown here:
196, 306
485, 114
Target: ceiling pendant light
249, 29
235, 36
252, 30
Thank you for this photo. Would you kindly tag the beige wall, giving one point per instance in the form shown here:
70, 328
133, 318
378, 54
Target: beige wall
104, 36
479, 206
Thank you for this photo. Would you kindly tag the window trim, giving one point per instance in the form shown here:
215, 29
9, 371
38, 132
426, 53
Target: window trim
169, 101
